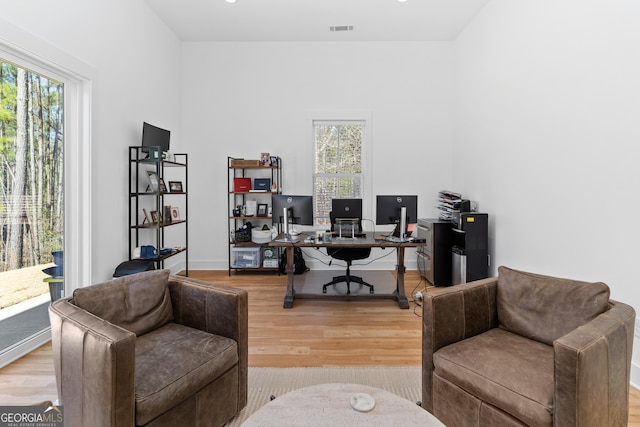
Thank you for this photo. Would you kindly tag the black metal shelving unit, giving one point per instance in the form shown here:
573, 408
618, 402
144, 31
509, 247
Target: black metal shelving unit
142, 196
240, 168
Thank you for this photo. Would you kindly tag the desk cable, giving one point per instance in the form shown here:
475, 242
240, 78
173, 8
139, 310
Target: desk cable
418, 296
372, 223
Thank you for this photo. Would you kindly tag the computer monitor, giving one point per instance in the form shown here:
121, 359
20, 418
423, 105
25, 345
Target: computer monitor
153, 136
346, 209
299, 209
388, 209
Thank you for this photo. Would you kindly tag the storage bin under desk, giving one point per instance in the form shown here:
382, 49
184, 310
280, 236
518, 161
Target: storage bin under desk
246, 257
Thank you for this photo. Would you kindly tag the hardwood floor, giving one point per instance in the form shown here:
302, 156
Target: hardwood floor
312, 333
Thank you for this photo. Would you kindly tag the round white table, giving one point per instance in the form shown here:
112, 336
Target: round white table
330, 405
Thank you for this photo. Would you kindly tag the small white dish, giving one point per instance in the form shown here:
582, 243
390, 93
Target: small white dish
362, 402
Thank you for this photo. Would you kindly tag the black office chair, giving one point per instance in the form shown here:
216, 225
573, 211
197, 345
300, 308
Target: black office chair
348, 255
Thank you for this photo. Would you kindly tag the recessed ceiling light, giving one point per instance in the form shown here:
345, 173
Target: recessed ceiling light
230, 1
401, 1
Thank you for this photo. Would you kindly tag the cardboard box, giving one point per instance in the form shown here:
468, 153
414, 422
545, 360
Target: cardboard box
241, 184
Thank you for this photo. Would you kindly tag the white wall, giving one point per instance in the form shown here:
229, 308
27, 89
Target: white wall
241, 99
546, 133
138, 64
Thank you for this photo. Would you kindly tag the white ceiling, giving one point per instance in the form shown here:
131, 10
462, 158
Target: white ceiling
309, 20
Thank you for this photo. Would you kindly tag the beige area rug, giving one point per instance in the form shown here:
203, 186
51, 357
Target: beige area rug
311, 282
263, 383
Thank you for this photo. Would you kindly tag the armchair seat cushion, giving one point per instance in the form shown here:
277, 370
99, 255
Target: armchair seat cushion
505, 370
173, 362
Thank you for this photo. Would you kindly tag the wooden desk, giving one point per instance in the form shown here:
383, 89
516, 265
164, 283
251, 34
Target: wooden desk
363, 242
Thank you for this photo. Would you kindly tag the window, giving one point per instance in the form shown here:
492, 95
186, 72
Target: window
338, 166
32, 149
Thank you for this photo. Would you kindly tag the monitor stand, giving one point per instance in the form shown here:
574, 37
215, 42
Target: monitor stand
398, 235
288, 238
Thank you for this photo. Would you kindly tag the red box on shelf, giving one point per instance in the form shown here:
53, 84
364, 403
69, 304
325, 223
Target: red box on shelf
241, 184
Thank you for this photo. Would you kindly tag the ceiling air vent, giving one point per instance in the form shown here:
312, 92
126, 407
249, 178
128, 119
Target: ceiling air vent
342, 28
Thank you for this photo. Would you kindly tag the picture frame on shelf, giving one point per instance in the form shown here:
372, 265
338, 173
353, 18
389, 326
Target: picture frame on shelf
274, 161
175, 187
262, 209
163, 187
147, 218
154, 181
265, 159
175, 214
156, 217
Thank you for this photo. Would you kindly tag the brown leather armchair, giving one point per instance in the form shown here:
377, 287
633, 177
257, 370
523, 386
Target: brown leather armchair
526, 349
151, 349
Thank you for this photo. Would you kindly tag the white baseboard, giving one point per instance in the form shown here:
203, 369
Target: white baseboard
24, 347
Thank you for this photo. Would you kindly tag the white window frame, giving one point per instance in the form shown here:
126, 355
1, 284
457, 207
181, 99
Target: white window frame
33, 53
344, 117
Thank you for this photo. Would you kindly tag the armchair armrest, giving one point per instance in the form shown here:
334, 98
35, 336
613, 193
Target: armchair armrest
217, 309
453, 314
94, 367
592, 370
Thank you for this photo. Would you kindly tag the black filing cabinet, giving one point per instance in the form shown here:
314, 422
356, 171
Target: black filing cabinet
434, 258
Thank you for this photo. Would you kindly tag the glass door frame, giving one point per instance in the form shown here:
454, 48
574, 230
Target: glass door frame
28, 51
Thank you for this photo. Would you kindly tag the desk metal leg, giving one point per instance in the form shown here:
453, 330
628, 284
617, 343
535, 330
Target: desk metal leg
403, 302
290, 295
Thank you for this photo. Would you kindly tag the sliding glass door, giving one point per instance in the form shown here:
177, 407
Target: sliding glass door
31, 201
